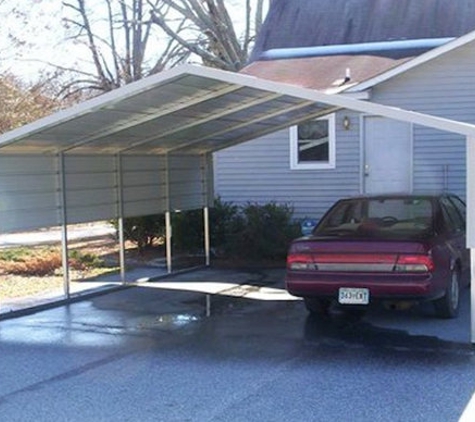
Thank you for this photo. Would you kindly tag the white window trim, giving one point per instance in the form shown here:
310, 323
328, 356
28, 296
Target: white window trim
294, 155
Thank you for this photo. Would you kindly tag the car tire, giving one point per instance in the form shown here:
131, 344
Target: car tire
448, 305
317, 306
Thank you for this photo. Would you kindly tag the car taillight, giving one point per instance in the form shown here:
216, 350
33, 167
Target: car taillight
414, 263
300, 262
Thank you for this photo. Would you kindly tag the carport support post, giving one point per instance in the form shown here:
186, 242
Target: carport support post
206, 234
120, 220
471, 224
205, 176
168, 238
64, 226
120, 224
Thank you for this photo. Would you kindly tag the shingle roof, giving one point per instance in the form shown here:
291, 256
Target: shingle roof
323, 73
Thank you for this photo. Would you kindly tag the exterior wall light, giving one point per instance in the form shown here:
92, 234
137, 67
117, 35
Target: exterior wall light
346, 123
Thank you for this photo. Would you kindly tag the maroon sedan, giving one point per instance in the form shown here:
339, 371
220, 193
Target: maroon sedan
399, 249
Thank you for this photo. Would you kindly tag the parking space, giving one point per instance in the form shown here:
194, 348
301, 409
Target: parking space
222, 345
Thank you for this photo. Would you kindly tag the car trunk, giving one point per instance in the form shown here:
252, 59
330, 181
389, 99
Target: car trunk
337, 255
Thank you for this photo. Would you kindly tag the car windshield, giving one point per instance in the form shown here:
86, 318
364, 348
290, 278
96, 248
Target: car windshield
379, 218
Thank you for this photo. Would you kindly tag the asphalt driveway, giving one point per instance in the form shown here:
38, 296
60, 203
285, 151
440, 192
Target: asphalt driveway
221, 345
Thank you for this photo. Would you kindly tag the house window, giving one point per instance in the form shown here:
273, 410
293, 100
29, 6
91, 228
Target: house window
312, 144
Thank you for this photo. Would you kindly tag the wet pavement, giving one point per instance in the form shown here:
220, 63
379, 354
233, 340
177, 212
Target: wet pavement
222, 345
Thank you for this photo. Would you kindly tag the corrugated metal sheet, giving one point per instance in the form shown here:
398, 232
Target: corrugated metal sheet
31, 189
28, 192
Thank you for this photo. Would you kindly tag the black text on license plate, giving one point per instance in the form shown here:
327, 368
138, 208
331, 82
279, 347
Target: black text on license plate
353, 296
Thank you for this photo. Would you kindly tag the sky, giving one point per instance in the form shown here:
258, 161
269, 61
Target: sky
32, 34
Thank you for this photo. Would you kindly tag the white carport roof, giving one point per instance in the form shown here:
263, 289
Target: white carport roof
188, 110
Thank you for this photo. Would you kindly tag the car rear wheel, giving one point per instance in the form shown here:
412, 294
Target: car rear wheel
317, 306
448, 305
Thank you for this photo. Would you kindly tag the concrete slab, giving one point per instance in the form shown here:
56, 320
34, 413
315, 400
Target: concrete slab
257, 285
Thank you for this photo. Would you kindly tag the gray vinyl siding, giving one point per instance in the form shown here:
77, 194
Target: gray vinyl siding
443, 87
259, 171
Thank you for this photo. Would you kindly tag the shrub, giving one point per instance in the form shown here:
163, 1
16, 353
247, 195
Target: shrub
143, 231
226, 222
14, 254
40, 262
188, 231
44, 261
266, 232
83, 261
253, 231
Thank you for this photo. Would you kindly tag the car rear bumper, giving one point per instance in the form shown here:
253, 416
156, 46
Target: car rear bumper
401, 286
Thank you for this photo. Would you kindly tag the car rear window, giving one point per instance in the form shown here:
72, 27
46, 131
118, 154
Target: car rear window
379, 217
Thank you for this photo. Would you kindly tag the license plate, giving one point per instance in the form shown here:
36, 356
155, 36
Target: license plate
353, 296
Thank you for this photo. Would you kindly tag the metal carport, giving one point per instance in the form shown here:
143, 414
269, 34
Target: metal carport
146, 148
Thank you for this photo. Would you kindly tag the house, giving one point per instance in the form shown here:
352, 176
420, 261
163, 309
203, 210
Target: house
416, 55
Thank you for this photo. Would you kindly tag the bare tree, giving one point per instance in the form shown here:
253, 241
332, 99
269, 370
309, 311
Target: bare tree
211, 33
110, 43
119, 40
